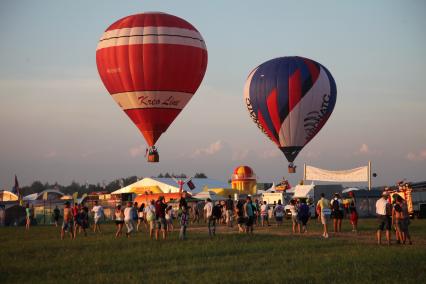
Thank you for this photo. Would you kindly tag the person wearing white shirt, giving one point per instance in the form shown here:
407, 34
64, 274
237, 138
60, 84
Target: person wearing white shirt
149, 215
264, 213
128, 218
279, 213
98, 211
208, 214
294, 219
383, 211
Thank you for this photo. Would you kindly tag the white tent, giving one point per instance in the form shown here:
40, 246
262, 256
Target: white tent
168, 185
304, 191
350, 189
272, 188
203, 195
7, 196
51, 194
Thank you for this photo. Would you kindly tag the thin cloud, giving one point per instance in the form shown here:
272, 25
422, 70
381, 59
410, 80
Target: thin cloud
269, 154
240, 154
137, 151
51, 154
311, 154
420, 156
212, 149
364, 149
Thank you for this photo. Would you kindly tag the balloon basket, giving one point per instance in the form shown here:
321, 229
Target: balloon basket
153, 158
291, 169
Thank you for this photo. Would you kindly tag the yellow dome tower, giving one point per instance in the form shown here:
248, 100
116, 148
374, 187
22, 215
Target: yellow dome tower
244, 180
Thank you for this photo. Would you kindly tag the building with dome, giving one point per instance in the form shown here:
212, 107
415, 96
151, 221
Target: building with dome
244, 180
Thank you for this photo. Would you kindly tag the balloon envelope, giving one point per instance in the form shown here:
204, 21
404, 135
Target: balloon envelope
290, 99
151, 64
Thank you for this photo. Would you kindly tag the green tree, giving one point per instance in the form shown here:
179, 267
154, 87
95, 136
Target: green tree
200, 175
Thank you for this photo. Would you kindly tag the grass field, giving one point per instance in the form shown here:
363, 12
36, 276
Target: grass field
271, 255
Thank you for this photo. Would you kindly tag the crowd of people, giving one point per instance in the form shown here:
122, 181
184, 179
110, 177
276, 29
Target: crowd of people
158, 217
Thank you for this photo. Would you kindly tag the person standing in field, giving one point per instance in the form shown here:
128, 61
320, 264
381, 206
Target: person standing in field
239, 210
353, 212
325, 212
337, 212
196, 213
74, 210
208, 214
184, 220
279, 213
32, 213
294, 217
256, 212
264, 211
81, 221
98, 211
218, 213
384, 212
303, 216
129, 221
67, 222
249, 213
149, 215
229, 206
119, 220
56, 215
400, 219
86, 217
135, 215
141, 216
169, 218
27, 217
406, 221
160, 213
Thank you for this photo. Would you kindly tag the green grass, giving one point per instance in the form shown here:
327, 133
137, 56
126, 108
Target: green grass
272, 255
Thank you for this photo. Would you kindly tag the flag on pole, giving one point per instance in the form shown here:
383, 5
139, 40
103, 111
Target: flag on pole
190, 184
45, 195
15, 188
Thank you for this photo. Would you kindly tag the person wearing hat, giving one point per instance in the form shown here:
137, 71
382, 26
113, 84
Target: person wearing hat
384, 213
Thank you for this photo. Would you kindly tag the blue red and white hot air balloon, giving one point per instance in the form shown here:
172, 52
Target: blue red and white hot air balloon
151, 64
290, 99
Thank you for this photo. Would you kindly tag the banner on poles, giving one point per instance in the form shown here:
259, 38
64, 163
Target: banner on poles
360, 174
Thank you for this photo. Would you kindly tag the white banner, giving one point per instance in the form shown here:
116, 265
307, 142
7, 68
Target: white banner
354, 175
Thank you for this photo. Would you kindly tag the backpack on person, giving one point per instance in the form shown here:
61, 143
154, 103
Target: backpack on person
150, 215
303, 211
335, 206
217, 211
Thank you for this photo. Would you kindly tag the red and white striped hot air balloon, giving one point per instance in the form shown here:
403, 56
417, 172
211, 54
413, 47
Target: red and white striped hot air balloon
151, 64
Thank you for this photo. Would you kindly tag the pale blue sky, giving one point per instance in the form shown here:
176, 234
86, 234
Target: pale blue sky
58, 123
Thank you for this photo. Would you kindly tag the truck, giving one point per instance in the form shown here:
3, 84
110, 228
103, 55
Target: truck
272, 198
